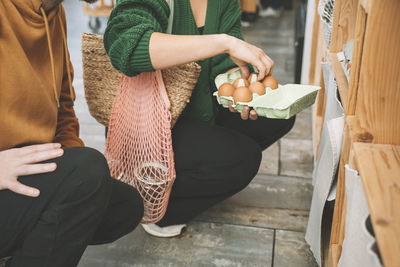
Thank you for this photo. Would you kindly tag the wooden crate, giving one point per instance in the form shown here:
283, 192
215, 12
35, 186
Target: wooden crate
371, 100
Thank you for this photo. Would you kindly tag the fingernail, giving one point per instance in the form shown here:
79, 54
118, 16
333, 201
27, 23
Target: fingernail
52, 166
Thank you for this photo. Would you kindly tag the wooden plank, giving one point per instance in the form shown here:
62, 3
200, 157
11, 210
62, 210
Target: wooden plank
318, 113
379, 168
335, 26
314, 44
318, 51
356, 59
365, 4
339, 214
344, 22
352, 132
378, 96
341, 79
333, 255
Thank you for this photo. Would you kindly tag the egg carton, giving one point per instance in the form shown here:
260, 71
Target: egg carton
281, 103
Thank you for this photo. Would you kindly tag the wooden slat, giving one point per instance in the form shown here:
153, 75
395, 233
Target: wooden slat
332, 255
378, 96
335, 26
314, 44
356, 60
318, 112
318, 51
339, 214
341, 79
352, 132
365, 4
379, 168
344, 21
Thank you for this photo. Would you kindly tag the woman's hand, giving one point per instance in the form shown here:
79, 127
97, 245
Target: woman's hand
243, 53
246, 112
23, 161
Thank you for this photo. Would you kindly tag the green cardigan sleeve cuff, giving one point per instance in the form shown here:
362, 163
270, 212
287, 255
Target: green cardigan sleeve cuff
141, 55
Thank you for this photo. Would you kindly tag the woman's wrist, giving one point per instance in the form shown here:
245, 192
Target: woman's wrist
226, 42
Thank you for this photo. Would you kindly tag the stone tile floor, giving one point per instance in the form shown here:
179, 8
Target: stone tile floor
261, 226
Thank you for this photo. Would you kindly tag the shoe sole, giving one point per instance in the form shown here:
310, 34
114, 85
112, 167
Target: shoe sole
157, 234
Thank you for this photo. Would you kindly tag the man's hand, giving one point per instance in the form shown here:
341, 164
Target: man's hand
23, 161
246, 112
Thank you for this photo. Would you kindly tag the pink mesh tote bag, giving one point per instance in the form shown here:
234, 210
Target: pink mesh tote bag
139, 144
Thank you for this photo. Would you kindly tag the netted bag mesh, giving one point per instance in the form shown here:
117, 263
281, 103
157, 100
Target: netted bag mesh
325, 10
139, 144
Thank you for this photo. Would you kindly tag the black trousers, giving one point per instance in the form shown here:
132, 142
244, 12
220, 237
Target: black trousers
213, 162
79, 204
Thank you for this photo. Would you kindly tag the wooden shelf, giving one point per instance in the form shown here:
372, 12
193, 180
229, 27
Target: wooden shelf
379, 168
341, 79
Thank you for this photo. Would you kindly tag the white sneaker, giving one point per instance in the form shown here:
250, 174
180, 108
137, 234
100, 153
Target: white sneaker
167, 231
270, 12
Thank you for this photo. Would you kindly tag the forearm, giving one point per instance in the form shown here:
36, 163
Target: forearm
171, 50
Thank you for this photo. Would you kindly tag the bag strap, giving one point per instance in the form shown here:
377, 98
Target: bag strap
171, 16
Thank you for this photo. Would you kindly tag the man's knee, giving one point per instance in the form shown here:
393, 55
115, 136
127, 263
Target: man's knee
90, 173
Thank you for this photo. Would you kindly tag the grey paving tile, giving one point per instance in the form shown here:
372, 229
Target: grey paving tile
270, 160
291, 250
267, 191
203, 244
231, 213
296, 157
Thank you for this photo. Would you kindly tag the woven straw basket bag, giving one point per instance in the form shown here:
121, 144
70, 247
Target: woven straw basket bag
101, 81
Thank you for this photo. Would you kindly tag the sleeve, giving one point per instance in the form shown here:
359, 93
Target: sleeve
230, 23
128, 32
67, 131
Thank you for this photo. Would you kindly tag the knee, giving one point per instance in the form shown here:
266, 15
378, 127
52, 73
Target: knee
90, 170
131, 211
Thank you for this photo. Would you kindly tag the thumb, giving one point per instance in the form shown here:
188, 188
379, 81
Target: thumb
245, 71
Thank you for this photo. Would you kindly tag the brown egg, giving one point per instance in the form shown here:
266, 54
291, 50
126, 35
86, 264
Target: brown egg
239, 82
252, 78
226, 89
242, 94
270, 82
257, 88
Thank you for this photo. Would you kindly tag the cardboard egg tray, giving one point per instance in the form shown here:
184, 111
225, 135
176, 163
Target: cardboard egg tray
281, 103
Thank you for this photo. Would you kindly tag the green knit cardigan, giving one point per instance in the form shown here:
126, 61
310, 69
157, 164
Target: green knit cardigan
132, 22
